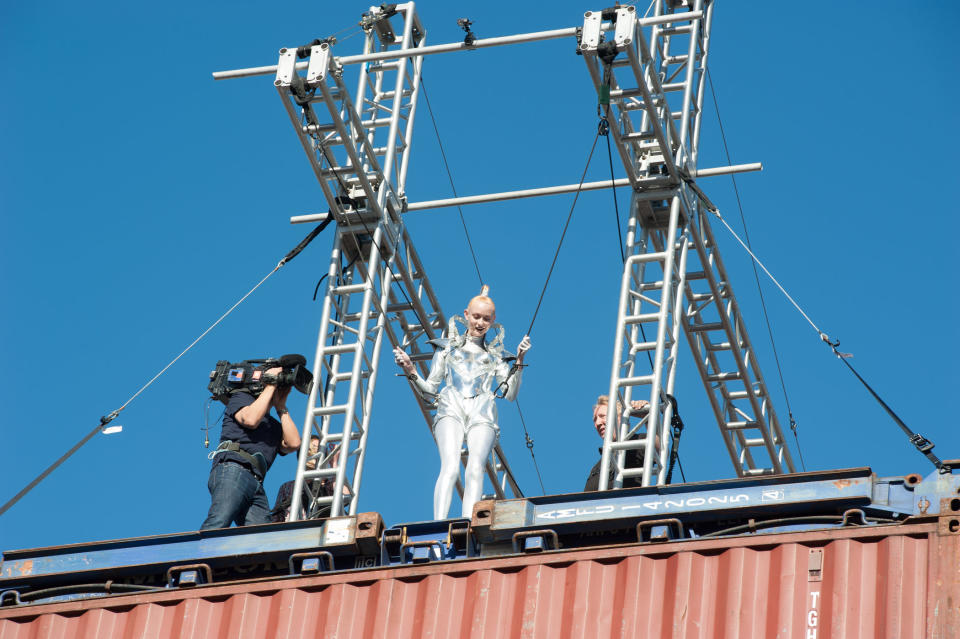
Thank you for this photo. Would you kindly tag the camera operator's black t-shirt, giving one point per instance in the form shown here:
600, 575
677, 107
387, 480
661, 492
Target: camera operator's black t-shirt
264, 439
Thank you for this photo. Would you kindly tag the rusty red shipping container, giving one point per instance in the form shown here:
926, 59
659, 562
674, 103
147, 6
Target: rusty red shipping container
899, 581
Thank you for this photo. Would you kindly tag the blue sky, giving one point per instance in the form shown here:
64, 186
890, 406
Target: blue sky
140, 199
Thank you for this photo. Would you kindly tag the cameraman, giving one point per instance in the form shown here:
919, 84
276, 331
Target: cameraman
249, 442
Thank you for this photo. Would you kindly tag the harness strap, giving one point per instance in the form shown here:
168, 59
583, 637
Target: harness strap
256, 461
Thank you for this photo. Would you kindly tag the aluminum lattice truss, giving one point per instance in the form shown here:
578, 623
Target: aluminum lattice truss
654, 71
377, 286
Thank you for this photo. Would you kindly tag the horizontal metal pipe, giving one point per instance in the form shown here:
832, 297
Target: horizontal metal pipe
727, 170
452, 46
548, 190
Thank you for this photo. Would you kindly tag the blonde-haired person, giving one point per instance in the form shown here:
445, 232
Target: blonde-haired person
472, 370
634, 457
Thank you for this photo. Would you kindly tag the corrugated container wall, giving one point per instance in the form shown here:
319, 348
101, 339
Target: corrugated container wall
892, 581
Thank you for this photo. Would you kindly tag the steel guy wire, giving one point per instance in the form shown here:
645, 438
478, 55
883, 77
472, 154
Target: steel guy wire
565, 227
923, 445
446, 165
113, 415
756, 275
476, 264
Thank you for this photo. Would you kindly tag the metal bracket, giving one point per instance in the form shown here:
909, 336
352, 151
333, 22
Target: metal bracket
10, 594
188, 575
626, 25
949, 522
590, 39
310, 562
319, 63
421, 551
535, 541
286, 67
660, 530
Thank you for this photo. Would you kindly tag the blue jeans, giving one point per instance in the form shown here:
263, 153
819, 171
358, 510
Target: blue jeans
235, 496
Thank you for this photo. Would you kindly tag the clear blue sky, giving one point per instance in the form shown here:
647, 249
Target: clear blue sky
140, 199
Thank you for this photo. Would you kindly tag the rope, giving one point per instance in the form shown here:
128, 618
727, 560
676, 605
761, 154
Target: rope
446, 165
113, 415
756, 275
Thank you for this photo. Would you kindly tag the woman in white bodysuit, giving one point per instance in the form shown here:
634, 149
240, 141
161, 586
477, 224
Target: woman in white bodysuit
473, 371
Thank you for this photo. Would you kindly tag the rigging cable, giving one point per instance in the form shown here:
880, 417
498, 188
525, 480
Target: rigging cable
526, 434
446, 165
756, 275
564, 234
920, 442
106, 419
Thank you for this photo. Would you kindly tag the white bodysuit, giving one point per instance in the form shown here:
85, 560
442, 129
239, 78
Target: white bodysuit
472, 371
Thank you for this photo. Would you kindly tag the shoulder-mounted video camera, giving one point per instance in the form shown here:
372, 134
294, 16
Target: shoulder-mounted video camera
251, 376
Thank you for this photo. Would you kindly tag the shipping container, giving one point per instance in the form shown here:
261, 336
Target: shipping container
499, 575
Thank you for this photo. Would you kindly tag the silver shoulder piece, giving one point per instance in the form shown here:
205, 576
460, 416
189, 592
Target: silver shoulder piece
439, 343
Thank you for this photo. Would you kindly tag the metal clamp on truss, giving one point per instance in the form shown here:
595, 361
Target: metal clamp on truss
188, 575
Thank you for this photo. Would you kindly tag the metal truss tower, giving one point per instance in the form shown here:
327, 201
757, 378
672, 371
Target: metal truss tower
649, 72
359, 149
653, 71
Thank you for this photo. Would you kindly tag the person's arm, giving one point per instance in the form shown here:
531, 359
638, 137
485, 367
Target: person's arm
438, 367
291, 435
513, 381
251, 415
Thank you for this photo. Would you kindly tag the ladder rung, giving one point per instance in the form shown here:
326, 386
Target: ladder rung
723, 377
635, 381
743, 394
753, 472
674, 86
753, 442
721, 346
643, 346
696, 275
342, 348
703, 328
336, 409
643, 317
350, 288
340, 377
319, 473
742, 425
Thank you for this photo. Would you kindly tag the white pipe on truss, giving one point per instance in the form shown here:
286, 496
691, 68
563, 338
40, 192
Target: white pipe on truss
548, 190
483, 43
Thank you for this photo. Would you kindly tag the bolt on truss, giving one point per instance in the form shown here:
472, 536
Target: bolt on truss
359, 150
650, 78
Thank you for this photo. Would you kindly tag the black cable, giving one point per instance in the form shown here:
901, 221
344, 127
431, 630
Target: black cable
564, 234
446, 165
792, 521
921, 443
345, 191
756, 275
605, 132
